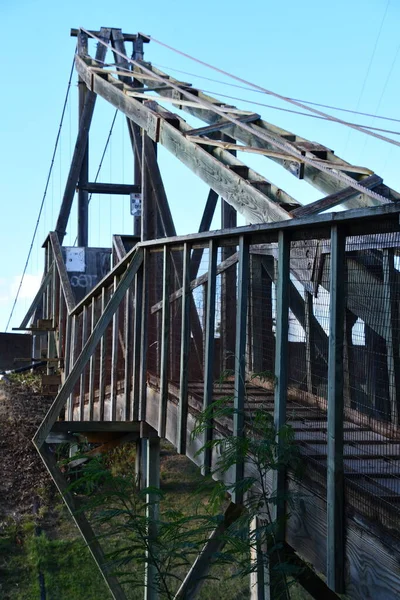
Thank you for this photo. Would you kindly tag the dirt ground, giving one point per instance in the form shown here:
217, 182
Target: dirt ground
22, 408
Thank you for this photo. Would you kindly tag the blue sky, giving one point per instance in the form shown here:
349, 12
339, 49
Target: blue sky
312, 50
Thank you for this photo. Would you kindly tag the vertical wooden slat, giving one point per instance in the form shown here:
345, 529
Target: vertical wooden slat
137, 337
240, 360
92, 363
61, 325
73, 353
209, 347
114, 360
128, 343
82, 384
281, 370
102, 368
165, 327
310, 348
143, 339
185, 349
391, 333
335, 492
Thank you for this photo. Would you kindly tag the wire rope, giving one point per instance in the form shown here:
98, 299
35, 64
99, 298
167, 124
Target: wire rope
44, 194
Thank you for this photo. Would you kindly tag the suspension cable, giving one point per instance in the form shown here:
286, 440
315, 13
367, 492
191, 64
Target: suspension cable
44, 194
249, 89
269, 92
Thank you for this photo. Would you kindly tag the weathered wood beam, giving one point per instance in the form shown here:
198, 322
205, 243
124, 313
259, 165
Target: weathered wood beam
240, 363
337, 198
248, 200
281, 376
128, 37
335, 569
110, 188
321, 180
209, 350
185, 349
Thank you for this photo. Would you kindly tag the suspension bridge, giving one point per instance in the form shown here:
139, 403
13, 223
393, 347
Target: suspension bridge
141, 332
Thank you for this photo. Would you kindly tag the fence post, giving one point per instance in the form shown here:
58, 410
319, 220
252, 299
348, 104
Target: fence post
240, 360
281, 372
335, 478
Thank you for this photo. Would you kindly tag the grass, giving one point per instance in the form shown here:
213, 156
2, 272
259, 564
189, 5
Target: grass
69, 570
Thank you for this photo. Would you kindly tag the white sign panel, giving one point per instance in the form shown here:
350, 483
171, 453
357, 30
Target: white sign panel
75, 259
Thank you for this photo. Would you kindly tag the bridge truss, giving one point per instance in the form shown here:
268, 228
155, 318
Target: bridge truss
310, 297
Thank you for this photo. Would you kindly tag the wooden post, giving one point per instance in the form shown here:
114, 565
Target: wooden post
392, 337
165, 326
102, 372
83, 376
137, 337
128, 344
83, 197
114, 359
259, 576
335, 479
240, 361
310, 343
228, 291
143, 338
153, 481
209, 347
185, 350
73, 349
92, 363
256, 320
281, 372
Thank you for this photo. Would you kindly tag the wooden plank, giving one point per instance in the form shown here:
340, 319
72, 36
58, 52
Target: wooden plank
185, 348
209, 348
83, 376
122, 189
62, 272
392, 338
83, 196
83, 427
80, 147
92, 363
293, 158
128, 357
114, 358
335, 482
281, 374
137, 336
165, 350
89, 348
102, 367
221, 125
73, 354
336, 198
143, 338
240, 362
